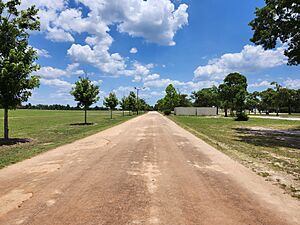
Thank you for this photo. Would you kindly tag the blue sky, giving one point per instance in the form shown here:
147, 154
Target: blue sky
121, 44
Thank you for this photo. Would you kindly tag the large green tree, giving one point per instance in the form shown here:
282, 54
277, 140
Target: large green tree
86, 94
233, 92
17, 58
111, 102
279, 20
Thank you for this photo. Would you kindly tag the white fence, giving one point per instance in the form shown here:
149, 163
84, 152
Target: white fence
195, 111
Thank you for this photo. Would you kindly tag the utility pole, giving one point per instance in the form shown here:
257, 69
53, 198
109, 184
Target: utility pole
137, 98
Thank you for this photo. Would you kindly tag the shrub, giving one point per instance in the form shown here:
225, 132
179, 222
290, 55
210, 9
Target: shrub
167, 112
241, 117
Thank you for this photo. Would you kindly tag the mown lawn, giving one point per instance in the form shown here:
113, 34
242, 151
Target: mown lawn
270, 147
50, 129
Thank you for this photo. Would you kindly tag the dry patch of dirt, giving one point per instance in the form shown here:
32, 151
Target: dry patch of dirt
47, 168
280, 164
13, 200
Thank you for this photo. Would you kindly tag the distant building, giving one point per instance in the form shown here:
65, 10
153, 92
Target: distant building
195, 111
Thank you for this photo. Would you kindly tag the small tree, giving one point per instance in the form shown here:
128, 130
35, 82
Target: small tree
172, 98
131, 101
16, 56
224, 91
124, 104
111, 102
86, 94
277, 96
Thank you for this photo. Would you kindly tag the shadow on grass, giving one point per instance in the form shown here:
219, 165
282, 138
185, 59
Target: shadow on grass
14, 141
82, 124
269, 137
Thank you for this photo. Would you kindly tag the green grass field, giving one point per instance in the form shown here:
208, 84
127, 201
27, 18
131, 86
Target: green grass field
50, 129
270, 147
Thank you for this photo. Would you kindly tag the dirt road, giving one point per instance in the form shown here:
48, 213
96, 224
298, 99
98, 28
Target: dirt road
145, 171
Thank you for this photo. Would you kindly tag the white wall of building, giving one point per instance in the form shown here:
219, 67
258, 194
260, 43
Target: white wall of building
195, 111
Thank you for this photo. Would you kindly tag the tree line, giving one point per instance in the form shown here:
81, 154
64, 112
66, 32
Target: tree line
232, 96
130, 103
57, 107
86, 94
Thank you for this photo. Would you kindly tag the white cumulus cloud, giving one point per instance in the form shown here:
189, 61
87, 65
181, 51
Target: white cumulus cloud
263, 83
156, 21
59, 35
292, 83
52, 72
57, 83
250, 59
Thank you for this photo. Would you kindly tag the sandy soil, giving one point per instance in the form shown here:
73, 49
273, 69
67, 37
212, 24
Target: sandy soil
145, 171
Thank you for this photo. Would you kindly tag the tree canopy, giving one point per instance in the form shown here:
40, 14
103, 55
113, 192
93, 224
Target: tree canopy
278, 20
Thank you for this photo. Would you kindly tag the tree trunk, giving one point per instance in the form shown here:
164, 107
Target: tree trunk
6, 124
111, 114
217, 110
277, 112
225, 109
123, 113
85, 119
290, 110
